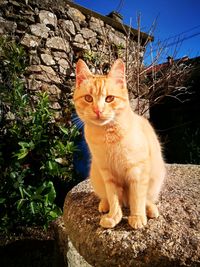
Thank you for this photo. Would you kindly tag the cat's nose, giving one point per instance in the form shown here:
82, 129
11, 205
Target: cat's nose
97, 111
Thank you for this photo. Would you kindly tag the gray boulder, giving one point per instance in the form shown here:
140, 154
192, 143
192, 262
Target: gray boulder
171, 240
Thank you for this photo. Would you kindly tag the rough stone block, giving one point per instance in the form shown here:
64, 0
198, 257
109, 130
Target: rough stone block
40, 30
97, 25
64, 67
30, 41
79, 39
43, 73
58, 55
67, 25
47, 59
34, 85
76, 15
7, 26
87, 33
48, 18
51, 89
58, 43
171, 240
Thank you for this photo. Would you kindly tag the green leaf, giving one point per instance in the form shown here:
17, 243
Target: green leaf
40, 189
50, 165
22, 153
2, 200
32, 207
26, 193
23, 144
13, 175
53, 214
20, 204
21, 192
51, 195
27, 144
64, 130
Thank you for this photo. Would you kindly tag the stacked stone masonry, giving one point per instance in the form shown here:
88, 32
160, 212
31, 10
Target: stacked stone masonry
55, 34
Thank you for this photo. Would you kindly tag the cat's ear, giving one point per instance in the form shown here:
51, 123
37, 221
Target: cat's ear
82, 72
117, 71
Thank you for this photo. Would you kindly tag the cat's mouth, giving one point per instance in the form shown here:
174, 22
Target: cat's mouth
96, 120
101, 120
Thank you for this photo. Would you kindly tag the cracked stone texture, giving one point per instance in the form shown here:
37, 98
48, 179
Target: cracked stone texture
47, 18
39, 30
58, 43
47, 59
67, 25
43, 73
7, 26
171, 240
30, 41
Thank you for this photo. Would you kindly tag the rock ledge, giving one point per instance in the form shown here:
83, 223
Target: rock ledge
171, 240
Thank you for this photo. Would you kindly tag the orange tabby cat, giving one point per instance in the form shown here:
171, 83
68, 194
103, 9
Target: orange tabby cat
127, 167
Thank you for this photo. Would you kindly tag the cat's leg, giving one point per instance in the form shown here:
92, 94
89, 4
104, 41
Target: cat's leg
115, 213
108, 194
138, 184
155, 183
152, 210
99, 188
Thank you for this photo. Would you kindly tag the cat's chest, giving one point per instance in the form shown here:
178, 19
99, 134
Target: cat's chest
117, 156
111, 151
115, 149
103, 137
113, 135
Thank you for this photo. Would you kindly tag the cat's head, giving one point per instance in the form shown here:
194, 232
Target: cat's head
100, 99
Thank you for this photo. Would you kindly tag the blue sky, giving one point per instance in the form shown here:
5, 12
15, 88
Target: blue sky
173, 17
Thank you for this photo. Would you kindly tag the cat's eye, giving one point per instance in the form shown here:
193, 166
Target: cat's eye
109, 98
88, 98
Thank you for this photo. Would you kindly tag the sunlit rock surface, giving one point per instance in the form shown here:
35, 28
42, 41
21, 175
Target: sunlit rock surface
171, 240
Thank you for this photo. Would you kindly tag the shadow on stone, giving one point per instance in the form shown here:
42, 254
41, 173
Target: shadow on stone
28, 253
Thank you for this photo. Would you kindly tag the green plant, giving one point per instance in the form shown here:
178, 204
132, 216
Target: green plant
92, 58
34, 149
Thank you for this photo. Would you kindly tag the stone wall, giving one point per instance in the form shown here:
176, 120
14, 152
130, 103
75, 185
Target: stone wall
55, 34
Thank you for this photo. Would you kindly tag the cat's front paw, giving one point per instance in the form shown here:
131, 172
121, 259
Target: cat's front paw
152, 211
103, 205
137, 221
107, 222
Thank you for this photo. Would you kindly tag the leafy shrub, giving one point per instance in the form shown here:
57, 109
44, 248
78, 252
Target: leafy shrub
34, 149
